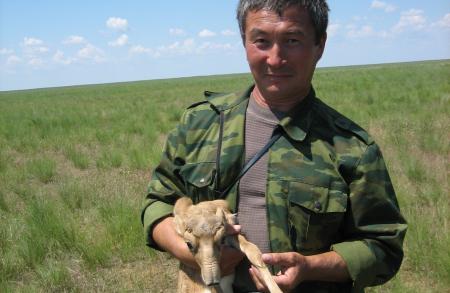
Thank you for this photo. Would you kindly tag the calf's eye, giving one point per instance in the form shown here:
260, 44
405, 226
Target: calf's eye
189, 245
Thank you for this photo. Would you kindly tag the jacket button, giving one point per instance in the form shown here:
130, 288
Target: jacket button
317, 206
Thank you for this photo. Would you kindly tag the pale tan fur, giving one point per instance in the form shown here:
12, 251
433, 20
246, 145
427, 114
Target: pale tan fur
203, 228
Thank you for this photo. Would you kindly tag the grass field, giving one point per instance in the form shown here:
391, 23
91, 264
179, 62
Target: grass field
75, 162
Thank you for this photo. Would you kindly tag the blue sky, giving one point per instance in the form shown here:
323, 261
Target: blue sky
55, 43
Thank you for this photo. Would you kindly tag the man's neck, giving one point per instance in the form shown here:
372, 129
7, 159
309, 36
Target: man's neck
280, 105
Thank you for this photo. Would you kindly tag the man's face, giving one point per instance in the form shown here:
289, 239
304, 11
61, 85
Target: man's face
282, 52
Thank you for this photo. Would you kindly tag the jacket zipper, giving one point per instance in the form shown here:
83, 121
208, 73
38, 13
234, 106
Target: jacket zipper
219, 150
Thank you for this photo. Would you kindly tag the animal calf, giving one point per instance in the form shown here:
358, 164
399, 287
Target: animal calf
202, 226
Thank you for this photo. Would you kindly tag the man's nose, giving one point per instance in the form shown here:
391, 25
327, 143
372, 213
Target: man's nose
275, 56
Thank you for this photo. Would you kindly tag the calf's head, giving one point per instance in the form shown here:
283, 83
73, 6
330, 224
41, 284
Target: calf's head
202, 227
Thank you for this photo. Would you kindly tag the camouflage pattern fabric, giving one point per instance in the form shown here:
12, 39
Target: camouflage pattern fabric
327, 188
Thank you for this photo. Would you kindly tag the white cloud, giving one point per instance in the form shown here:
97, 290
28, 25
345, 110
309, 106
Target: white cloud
359, 18
117, 23
182, 48
411, 19
33, 47
211, 46
74, 40
5, 51
383, 5
36, 62
206, 33
360, 32
333, 29
139, 49
31, 51
364, 31
90, 52
377, 4
120, 41
390, 8
228, 33
32, 42
177, 32
60, 58
444, 22
178, 48
41, 49
13, 59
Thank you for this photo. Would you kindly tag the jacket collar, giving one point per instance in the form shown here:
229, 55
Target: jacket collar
296, 124
222, 102
298, 121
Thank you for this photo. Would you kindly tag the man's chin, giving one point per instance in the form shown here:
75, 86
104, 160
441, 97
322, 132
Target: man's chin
273, 91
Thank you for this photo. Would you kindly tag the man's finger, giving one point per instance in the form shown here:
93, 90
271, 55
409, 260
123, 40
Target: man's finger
256, 277
281, 259
232, 229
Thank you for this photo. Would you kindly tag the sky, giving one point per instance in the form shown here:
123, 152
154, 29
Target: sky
49, 43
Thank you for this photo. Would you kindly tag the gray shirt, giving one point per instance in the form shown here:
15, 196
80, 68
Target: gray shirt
252, 213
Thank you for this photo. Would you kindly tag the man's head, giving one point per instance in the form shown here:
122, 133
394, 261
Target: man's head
317, 10
284, 40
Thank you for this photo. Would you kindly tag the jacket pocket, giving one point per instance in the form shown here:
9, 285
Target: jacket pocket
199, 180
315, 215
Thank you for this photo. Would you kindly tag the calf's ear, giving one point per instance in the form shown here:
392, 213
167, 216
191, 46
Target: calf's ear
220, 212
179, 213
180, 225
220, 203
181, 206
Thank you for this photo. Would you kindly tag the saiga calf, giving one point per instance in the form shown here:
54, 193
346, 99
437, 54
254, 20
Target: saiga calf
202, 226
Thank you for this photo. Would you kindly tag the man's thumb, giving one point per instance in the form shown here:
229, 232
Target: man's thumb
279, 258
267, 258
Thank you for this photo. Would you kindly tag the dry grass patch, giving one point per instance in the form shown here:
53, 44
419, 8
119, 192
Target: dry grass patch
156, 275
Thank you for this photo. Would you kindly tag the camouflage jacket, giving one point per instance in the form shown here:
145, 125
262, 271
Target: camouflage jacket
327, 185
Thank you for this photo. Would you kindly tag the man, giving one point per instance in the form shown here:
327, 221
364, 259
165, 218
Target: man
319, 203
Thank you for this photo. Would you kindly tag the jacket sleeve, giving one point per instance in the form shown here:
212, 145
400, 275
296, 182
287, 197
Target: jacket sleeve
166, 185
374, 229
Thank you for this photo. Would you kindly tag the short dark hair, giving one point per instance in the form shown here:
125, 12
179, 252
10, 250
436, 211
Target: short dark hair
317, 10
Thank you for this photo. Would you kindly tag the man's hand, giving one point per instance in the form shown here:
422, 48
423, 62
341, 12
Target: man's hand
292, 266
296, 268
167, 238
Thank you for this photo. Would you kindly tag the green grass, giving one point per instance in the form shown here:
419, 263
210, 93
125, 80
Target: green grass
48, 232
79, 159
43, 169
75, 162
3, 205
55, 277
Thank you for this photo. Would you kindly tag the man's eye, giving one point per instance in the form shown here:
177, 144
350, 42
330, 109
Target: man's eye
260, 41
293, 41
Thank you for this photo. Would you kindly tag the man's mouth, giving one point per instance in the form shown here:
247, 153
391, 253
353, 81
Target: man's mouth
277, 76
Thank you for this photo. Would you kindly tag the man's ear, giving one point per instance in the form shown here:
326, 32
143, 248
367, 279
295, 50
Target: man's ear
321, 47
